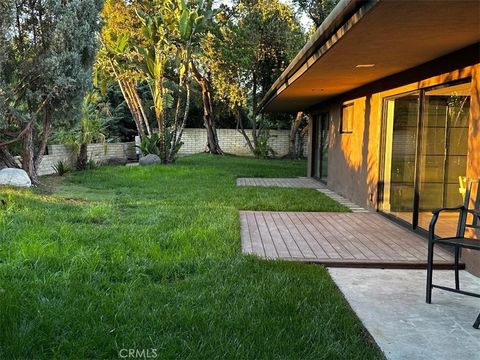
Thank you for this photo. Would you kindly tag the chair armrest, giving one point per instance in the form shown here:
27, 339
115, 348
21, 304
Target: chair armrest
436, 214
457, 208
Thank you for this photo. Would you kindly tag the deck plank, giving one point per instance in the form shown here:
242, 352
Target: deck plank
335, 239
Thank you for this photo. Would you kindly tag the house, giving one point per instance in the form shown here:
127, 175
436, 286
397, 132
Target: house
393, 89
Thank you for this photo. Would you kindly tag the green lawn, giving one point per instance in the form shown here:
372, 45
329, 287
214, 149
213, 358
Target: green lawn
149, 258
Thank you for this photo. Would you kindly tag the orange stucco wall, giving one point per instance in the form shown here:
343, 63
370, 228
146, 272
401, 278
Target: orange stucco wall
471, 257
354, 159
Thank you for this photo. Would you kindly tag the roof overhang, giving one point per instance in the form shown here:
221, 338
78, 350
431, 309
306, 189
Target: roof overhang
364, 41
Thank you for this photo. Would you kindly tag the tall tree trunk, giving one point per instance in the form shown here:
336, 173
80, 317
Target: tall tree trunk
303, 138
160, 114
30, 160
133, 102
212, 137
43, 140
28, 163
213, 147
185, 115
293, 137
176, 119
132, 105
241, 129
254, 109
142, 111
183, 102
82, 158
6, 158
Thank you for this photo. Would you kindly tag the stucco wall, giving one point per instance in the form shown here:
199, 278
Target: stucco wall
471, 257
353, 168
354, 159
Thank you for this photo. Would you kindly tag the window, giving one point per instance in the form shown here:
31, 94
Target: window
346, 122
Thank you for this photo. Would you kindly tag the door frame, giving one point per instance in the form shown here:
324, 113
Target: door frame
317, 158
315, 135
382, 146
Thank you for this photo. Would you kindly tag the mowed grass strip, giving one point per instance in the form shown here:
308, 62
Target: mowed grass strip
149, 258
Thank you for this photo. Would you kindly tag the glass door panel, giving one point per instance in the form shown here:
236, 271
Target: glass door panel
315, 147
400, 156
324, 143
320, 146
443, 153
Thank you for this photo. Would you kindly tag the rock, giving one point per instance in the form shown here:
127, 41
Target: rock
150, 159
14, 177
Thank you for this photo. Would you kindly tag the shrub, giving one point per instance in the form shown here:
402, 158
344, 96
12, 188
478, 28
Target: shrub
92, 165
61, 168
149, 145
262, 149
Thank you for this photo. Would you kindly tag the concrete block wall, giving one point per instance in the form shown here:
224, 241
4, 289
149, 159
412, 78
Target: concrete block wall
97, 152
232, 142
194, 141
56, 153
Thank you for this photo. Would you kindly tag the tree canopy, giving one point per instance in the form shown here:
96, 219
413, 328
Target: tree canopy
258, 40
316, 10
161, 57
47, 50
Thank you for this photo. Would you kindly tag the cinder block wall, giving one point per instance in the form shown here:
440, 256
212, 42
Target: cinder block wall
194, 141
232, 142
97, 152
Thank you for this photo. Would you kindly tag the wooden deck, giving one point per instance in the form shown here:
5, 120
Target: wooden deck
336, 239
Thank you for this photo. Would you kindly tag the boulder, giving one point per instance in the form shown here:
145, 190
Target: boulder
150, 159
14, 177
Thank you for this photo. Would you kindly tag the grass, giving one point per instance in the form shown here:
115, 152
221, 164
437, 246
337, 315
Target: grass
149, 258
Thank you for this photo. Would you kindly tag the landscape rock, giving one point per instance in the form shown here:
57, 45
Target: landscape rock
150, 159
14, 177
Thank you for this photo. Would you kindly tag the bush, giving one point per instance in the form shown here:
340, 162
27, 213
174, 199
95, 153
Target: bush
92, 165
61, 168
262, 149
149, 145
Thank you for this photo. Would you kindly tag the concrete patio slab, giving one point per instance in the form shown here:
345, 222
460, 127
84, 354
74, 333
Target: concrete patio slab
391, 305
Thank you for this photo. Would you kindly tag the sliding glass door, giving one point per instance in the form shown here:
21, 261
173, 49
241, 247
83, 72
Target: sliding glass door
443, 155
425, 153
320, 147
400, 155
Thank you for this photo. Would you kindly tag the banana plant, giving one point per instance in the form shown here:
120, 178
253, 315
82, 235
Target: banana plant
114, 61
192, 19
172, 30
91, 129
154, 58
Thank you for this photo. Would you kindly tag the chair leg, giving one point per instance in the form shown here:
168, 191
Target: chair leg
457, 277
429, 272
477, 322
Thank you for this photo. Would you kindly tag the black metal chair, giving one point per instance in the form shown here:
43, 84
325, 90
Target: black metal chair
458, 242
